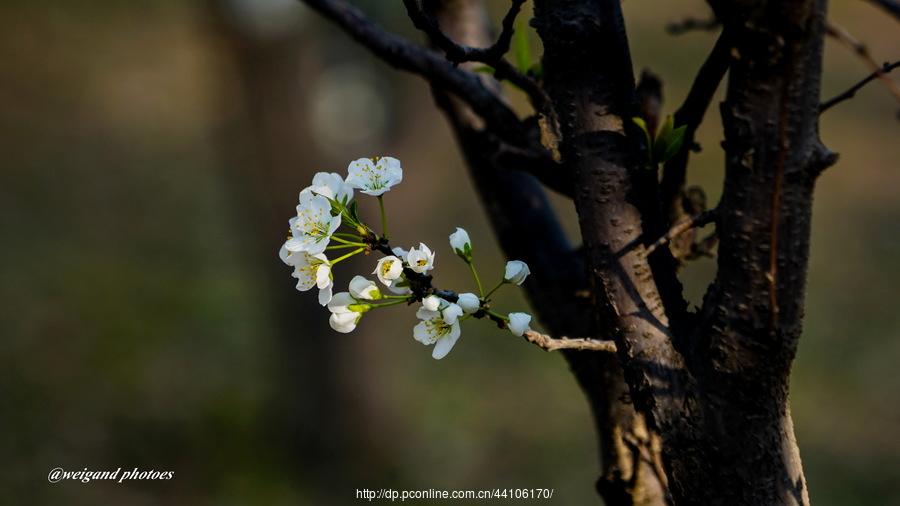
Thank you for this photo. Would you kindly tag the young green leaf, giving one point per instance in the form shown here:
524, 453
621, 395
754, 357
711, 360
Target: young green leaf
484, 69
676, 139
521, 46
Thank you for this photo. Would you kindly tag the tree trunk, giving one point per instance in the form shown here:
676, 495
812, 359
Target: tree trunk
711, 387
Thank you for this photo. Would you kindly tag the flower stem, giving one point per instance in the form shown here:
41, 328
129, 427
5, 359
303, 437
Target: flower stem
391, 303
348, 255
346, 235
404, 297
341, 246
344, 241
495, 289
497, 315
477, 279
384, 227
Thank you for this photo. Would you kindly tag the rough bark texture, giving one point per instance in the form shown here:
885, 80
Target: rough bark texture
710, 389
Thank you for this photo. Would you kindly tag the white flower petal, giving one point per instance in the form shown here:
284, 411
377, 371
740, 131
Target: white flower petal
325, 294
340, 301
443, 345
451, 313
344, 322
431, 303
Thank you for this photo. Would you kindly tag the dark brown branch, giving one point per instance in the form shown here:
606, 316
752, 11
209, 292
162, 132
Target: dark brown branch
890, 6
492, 55
402, 54
458, 53
697, 221
851, 92
548, 343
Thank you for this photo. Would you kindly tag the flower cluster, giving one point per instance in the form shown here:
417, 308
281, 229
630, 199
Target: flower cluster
315, 232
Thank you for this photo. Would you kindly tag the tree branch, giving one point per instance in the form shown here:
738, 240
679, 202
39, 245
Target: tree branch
458, 53
548, 343
492, 55
691, 113
693, 24
851, 92
402, 54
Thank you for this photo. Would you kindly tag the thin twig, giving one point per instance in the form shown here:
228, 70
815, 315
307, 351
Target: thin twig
851, 92
691, 113
890, 6
548, 343
844, 37
698, 221
403, 54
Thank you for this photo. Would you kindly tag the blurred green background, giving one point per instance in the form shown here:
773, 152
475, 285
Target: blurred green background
151, 155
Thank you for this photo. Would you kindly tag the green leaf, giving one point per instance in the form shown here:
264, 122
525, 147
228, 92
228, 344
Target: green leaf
675, 141
521, 46
663, 139
666, 130
536, 71
484, 69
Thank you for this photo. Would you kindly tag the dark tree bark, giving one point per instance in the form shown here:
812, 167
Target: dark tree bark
710, 420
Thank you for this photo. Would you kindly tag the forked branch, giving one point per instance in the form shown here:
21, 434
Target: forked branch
403, 54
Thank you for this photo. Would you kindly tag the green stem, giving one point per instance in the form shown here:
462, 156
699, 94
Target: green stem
341, 246
384, 227
391, 303
477, 279
497, 315
495, 289
348, 255
344, 241
346, 235
404, 297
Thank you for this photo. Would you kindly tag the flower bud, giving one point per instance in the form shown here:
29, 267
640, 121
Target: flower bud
518, 323
362, 288
461, 244
516, 272
469, 302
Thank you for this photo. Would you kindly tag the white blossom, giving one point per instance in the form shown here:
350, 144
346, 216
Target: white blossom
331, 185
434, 330
469, 302
388, 270
420, 259
461, 244
344, 317
516, 272
311, 229
374, 177
431, 303
518, 323
451, 313
362, 288
310, 271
